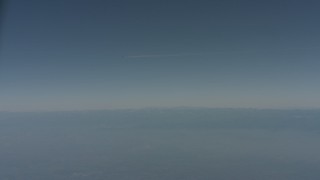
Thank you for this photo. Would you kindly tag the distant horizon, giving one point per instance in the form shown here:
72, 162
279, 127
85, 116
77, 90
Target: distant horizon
165, 108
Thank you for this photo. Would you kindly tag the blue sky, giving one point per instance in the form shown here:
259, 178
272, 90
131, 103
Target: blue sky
78, 55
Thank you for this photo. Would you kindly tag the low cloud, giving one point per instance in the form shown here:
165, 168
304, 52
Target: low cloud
164, 55
220, 52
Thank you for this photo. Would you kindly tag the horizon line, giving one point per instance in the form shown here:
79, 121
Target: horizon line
161, 108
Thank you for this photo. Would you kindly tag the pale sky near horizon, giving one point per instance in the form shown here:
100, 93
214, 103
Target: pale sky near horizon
95, 54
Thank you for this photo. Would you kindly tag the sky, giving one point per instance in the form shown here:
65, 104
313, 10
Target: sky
115, 54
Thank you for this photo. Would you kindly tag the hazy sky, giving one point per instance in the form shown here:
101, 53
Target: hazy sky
99, 54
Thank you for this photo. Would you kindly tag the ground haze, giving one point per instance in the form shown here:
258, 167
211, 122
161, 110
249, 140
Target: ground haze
161, 144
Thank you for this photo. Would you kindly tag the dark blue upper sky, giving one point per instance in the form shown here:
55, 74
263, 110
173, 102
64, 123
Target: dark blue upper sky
99, 54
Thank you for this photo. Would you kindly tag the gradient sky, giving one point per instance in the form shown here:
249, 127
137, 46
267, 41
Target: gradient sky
101, 54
